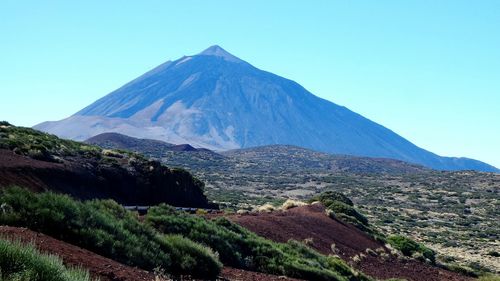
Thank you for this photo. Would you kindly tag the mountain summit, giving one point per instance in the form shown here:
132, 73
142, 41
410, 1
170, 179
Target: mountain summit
217, 51
217, 101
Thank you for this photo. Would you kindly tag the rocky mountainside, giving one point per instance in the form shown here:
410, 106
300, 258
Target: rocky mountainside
217, 101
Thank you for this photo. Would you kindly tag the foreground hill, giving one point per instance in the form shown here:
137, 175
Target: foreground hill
44, 162
178, 245
217, 101
332, 236
106, 269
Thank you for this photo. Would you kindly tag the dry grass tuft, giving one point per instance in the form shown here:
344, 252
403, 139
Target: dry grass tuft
290, 203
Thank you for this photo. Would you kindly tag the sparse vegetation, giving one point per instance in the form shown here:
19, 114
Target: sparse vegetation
489, 277
42, 146
455, 213
20, 262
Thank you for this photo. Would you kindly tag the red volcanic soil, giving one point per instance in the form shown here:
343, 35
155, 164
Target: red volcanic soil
103, 268
19, 170
311, 222
106, 269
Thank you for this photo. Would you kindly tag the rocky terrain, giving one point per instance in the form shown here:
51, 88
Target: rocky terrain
454, 212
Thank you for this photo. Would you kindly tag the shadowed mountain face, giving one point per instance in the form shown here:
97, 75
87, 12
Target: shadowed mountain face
220, 102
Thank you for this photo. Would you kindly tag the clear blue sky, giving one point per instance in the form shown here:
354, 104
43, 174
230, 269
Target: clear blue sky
428, 70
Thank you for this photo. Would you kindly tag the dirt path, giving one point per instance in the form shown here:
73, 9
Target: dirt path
311, 222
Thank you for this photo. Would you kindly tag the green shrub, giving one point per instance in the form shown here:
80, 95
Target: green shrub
240, 248
341, 208
24, 262
189, 255
338, 206
331, 196
409, 247
106, 228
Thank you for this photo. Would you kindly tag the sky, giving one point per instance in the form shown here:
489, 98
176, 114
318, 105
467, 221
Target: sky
428, 70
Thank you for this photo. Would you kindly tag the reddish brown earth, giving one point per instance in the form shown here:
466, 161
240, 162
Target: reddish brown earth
106, 269
308, 222
19, 170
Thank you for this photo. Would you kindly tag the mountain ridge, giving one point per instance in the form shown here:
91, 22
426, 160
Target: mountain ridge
217, 101
264, 159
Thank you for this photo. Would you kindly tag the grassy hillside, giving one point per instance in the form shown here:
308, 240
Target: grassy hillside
178, 243
23, 262
41, 161
42, 146
240, 248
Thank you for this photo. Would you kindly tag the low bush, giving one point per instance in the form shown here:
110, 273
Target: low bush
240, 248
338, 206
329, 197
410, 248
106, 228
23, 262
344, 209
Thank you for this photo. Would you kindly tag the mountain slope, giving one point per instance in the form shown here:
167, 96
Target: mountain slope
220, 102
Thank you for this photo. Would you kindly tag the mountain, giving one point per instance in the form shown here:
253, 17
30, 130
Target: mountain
218, 101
